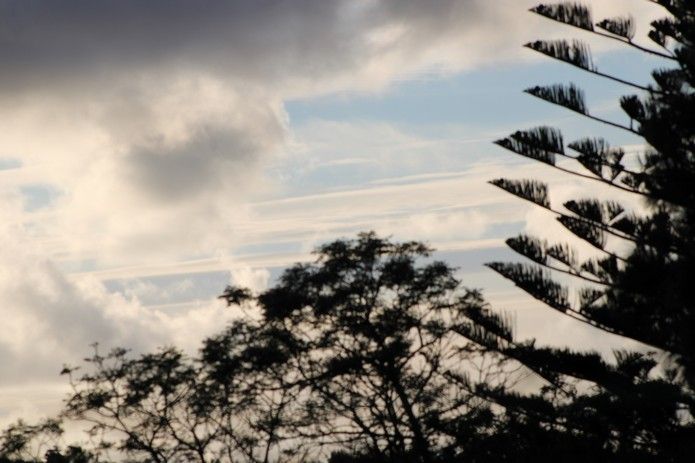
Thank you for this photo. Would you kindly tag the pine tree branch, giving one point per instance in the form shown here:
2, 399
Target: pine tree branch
546, 205
549, 379
594, 176
613, 124
634, 45
612, 230
538, 252
465, 384
560, 215
577, 315
622, 169
496, 347
553, 147
597, 178
589, 28
590, 69
574, 274
586, 366
543, 143
529, 190
542, 93
564, 308
605, 251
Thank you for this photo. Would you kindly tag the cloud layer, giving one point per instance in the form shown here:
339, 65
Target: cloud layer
148, 116
149, 124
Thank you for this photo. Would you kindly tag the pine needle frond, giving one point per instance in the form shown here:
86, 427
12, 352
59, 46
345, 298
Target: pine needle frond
563, 253
573, 14
584, 230
480, 335
622, 27
530, 190
670, 80
603, 212
536, 282
576, 53
633, 107
665, 28
569, 96
529, 247
588, 297
596, 153
498, 324
540, 143
605, 268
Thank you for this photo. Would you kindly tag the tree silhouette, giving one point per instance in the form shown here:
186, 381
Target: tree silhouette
167, 407
26, 443
368, 343
640, 287
358, 356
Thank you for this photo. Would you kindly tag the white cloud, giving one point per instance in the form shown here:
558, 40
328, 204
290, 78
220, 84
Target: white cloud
50, 318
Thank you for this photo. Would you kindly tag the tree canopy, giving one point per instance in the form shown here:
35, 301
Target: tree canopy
640, 405
358, 356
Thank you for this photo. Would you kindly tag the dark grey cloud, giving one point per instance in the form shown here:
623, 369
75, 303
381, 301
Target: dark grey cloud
211, 157
50, 41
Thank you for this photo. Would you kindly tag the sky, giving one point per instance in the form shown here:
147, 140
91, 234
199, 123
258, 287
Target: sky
153, 152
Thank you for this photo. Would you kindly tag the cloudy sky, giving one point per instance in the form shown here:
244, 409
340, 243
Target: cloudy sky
152, 152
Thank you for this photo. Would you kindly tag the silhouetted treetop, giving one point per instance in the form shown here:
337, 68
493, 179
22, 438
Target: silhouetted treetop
639, 406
